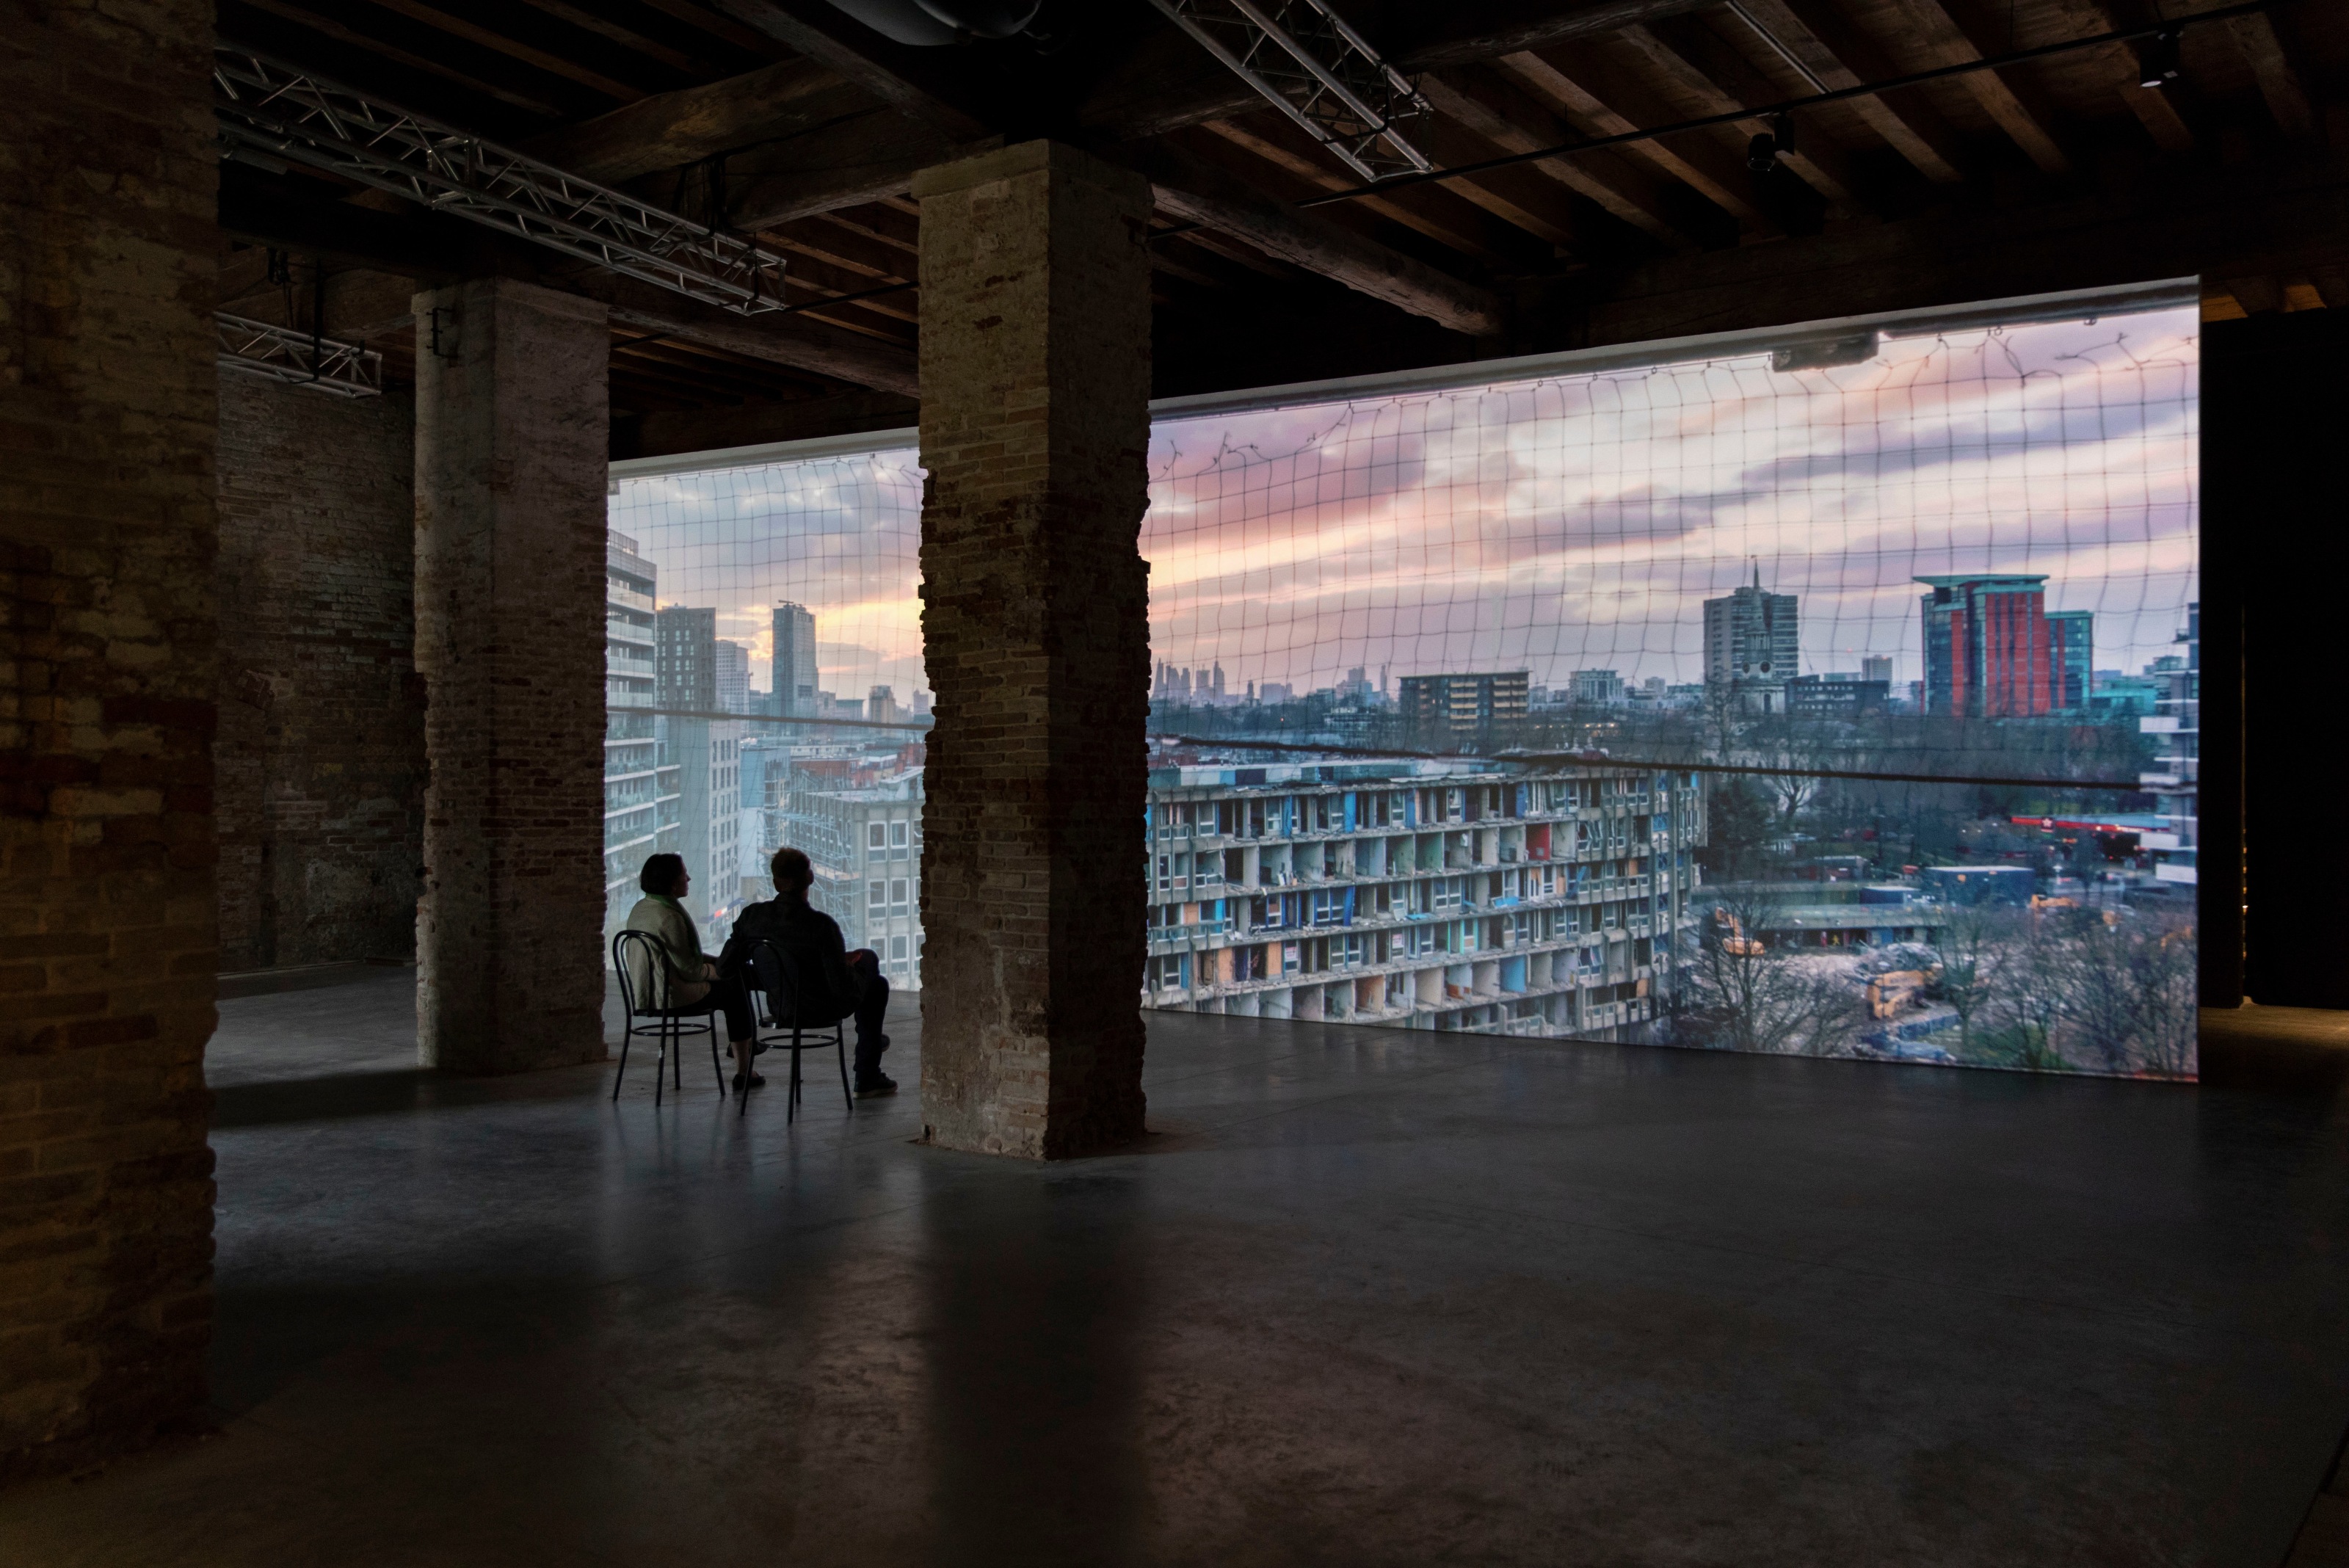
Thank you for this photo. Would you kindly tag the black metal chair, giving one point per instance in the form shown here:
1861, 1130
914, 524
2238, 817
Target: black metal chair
781, 984
670, 1026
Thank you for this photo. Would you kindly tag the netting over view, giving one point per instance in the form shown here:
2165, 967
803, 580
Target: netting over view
1839, 698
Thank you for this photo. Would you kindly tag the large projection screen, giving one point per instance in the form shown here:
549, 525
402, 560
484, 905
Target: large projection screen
1829, 691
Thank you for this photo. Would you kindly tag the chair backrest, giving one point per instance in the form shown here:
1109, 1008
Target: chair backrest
785, 980
641, 960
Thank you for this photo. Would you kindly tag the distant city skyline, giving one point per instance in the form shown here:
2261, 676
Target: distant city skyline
1554, 525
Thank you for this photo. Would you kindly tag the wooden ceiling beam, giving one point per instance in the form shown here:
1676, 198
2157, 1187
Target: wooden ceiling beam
845, 164
626, 37
1702, 166
553, 65
1843, 58
907, 246
1508, 118
754, 424
717, 26
1941, 42
358, 40
1169, 81
1461, 34
697, 122
2279, 85
1408, 207
2154, 111
437, 247
1231, 250
1714, 86
1193, 189
2223, 221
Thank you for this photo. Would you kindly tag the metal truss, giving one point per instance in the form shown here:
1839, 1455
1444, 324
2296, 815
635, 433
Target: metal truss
253, 348
1308, 64
272, 113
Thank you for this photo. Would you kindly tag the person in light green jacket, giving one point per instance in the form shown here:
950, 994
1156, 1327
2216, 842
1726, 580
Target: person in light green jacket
687, 979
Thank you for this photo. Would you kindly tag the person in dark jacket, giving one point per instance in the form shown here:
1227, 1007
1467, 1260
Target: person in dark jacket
852, 983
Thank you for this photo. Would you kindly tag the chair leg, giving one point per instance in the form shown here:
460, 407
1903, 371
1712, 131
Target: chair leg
677, 1057
623, 1072
840, 1043
660, 1067
745, 1095
714, 1064
791, 1098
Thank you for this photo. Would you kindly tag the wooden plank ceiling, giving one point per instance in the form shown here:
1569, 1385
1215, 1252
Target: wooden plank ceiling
789, 119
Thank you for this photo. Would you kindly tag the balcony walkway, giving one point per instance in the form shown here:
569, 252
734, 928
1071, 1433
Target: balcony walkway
1365, 1297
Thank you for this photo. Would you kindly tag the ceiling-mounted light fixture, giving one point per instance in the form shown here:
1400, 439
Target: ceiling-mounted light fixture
1762, 153
2157, 60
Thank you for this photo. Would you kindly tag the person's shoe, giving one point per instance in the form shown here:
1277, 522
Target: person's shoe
757, 1082
876, 1086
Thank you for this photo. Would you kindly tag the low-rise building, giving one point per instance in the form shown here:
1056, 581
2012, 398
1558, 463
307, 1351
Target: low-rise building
1465, 705
1421, 894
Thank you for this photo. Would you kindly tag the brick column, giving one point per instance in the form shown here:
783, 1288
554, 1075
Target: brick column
106, 415
1035, 364
511, 418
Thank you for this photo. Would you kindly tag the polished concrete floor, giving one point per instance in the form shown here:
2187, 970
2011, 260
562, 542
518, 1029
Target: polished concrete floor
1363, 1298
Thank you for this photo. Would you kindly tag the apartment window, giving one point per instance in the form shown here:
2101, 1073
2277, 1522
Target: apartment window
877, 897
897, 895
876, 838
897, 840
897, 950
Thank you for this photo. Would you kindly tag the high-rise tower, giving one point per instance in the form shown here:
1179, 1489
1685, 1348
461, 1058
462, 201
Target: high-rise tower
1989, 653
1753, 639
793, 680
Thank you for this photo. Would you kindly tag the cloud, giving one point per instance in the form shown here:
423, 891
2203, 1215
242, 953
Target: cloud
1565, 523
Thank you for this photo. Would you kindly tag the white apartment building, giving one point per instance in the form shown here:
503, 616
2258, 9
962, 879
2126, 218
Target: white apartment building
866, 846
1427, 894
641, 775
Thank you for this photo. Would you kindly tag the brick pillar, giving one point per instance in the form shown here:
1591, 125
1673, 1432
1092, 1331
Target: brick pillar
1035, 363
107, 416
511, 418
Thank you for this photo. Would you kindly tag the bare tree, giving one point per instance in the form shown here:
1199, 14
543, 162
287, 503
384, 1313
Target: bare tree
1740, 992
1973, 965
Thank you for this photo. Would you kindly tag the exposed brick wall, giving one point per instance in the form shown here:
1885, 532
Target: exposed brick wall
1035, 362
511, 436
106, 415
319, 760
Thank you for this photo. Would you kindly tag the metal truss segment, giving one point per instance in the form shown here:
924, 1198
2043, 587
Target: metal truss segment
274, 353
270, 111
1305, 61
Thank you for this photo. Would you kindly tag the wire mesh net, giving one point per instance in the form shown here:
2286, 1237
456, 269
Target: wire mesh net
1837, 701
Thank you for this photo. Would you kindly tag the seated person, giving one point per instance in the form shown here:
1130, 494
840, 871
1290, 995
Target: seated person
690, 981
852, 983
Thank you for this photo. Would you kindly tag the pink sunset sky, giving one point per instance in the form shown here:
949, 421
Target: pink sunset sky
1552, 525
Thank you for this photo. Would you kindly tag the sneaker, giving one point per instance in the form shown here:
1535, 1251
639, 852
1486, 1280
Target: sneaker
757, 1082
876, 1086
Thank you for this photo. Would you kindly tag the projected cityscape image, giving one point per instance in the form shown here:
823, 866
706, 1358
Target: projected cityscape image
1840, 704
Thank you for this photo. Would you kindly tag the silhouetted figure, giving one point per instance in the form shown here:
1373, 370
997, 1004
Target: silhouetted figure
847, 984
691, 980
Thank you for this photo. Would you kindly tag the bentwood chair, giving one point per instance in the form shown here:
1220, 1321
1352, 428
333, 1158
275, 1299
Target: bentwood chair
670, 1026
783, 982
